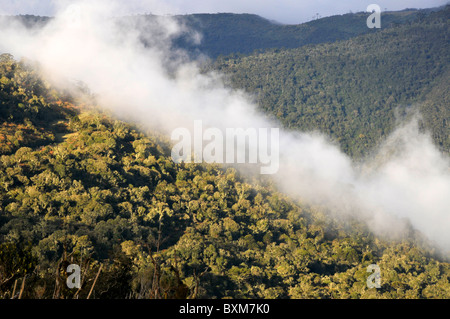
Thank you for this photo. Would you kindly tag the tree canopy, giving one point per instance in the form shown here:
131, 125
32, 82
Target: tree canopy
95, 191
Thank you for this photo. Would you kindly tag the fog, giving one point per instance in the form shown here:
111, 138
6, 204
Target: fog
407, 178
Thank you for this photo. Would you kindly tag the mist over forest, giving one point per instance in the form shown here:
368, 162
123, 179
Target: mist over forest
90, 100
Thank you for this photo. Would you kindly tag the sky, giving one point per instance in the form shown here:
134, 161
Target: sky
283, 11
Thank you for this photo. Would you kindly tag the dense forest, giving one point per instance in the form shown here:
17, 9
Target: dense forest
357, 90
78, 186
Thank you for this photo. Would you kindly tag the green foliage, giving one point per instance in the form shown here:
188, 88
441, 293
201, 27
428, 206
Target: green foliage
15, 261
355, 91
106, 195
30, 112
209, 232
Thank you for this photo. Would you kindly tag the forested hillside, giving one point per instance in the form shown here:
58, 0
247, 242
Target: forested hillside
355, 90
228, 33
78, 186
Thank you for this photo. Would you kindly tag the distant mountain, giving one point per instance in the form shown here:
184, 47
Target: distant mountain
352, 90
228, 33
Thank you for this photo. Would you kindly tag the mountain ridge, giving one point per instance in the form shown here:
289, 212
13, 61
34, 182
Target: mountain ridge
351, 90
232, 33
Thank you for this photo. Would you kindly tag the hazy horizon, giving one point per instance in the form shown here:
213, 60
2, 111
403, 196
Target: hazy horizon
285, 11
